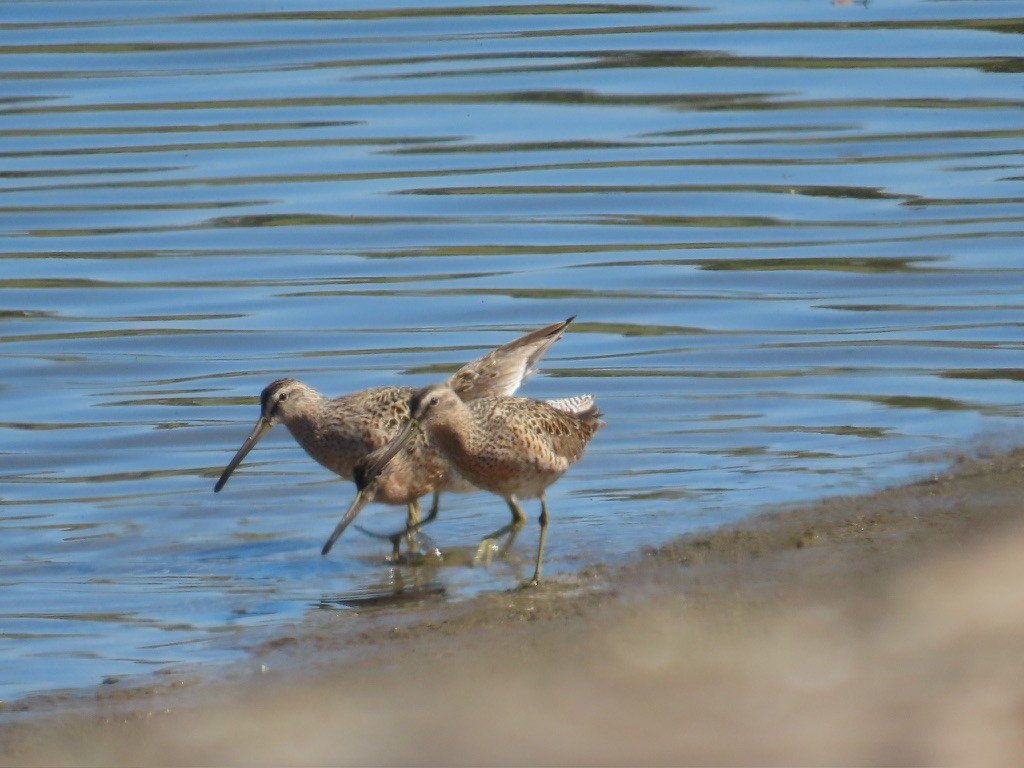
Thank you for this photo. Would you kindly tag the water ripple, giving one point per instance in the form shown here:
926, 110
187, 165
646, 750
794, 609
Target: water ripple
790, 232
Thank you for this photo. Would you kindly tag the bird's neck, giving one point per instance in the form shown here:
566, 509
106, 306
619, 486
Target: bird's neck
456, 432
305, 422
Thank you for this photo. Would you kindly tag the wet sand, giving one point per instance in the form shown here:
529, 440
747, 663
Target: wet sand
885, 629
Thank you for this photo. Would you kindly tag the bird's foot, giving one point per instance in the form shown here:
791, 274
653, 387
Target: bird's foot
524, 585
414, 550
432, 556
485, 552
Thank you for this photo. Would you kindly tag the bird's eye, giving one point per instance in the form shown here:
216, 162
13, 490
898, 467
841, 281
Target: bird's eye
433, 401
282, 397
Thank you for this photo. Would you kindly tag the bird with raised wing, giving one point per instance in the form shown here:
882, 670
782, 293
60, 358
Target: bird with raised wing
514, 447
340, 433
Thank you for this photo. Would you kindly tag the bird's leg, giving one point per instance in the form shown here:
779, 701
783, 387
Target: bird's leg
489, 545
518, 518
411, 527
518, 521
543, 537
413, 523
434, 507
413, 517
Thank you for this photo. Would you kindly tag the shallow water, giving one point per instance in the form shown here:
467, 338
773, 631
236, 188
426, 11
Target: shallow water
790, 232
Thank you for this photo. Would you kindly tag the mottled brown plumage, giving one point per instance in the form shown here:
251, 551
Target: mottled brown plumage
341, 433
512, 446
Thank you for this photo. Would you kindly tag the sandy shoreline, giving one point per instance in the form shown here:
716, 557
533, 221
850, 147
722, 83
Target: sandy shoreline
878, 629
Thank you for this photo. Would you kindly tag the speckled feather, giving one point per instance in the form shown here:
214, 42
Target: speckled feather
512, 446
345, 433
342, 432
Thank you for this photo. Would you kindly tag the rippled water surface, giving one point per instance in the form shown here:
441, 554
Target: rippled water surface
790, 232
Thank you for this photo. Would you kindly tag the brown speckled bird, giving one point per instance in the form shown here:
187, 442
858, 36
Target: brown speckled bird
512, 446
340, 433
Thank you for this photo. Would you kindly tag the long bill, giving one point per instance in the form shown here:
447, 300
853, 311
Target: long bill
262, 427
364, 480
360, 501
389, 452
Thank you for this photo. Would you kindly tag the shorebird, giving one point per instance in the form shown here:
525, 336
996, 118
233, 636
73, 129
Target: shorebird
341, 433
514, 447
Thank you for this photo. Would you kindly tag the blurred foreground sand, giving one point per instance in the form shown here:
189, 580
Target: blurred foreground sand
876, 630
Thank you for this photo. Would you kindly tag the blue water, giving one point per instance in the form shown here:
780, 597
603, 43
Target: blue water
790, 232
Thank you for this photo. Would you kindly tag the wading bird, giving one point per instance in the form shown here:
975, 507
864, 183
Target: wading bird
514, 447
341, 433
